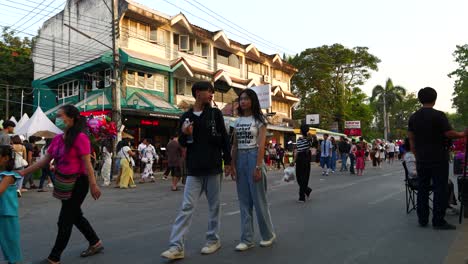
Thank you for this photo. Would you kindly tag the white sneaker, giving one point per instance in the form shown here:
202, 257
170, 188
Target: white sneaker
243, 247
50, 185
173, 253
211, 247
267, 243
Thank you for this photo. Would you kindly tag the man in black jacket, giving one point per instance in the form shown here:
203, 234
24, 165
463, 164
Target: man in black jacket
343, 148
208, 145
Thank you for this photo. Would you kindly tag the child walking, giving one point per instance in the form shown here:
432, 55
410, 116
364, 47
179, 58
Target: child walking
9, 222
360, 162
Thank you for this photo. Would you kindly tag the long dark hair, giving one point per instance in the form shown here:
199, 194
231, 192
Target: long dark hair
7, 150
255, 104
78, 125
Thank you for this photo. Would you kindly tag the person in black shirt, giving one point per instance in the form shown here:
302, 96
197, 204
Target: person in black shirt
428, 131
343, 148
208, 145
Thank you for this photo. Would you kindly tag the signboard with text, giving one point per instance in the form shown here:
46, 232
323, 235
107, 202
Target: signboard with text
312, 119
352, 124
264, 95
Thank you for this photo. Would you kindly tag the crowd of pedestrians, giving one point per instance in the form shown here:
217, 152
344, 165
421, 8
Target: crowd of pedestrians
201, 154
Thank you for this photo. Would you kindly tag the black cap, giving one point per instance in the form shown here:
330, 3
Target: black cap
202, 86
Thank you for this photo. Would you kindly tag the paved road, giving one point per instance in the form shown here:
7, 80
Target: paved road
349, 219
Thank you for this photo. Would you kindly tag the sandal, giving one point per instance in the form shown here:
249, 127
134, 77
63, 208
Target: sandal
92, 250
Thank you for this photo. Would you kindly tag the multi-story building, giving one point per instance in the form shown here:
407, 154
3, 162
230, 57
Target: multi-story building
161, 56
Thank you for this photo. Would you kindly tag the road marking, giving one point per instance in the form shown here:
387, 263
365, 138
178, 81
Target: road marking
232, 213
386, 197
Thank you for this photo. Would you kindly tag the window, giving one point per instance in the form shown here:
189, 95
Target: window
255, 67
131, 78
143, 31
188, 88
184, 42
68, 89
141, 79
227, 58
152, 81
153, 33
180, 86
205, 50
132, 28
158, 35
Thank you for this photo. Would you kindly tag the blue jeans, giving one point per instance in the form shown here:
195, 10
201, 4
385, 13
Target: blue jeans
325, 161
252, 194
45, 173
344, 160
333, 161
194, 187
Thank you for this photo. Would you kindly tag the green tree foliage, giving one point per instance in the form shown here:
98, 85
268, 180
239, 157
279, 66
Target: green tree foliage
358, 108
393, 95
460, 94
400, 113
326, 79
16, 69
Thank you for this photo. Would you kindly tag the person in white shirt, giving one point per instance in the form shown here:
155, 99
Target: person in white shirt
391, 151
126, 167
141, 147
106, 155
148, 155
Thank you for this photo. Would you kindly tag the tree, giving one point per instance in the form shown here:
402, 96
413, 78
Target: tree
384, 98
16, 71
460, 93
358, 108
400, 113
327, 77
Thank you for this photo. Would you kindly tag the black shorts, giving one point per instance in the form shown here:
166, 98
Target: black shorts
174, 171
391, 154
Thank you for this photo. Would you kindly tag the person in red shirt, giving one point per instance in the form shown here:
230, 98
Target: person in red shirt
360, 156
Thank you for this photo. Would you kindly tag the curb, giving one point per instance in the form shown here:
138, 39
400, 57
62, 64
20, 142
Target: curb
458, 252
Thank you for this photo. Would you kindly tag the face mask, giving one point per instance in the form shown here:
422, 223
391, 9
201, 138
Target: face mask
60, 124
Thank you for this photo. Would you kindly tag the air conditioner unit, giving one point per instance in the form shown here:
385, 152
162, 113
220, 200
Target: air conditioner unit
266, 79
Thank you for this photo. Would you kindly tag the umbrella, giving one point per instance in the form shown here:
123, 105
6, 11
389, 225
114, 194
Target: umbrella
44, 134
126, 135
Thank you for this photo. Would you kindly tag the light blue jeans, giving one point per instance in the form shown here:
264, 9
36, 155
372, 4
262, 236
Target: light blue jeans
252, 194
194, 188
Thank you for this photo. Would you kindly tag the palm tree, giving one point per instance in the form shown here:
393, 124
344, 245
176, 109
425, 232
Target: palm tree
387, 97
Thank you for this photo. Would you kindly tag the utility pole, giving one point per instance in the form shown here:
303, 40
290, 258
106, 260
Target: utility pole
22, 98
7, 106
116, 107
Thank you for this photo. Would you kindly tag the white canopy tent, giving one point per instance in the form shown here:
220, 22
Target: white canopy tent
38, 122
12, 118
24, 119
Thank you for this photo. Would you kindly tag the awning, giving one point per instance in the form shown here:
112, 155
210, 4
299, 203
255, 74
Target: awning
280, 128
153, 104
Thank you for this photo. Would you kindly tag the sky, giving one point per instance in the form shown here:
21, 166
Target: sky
414, 39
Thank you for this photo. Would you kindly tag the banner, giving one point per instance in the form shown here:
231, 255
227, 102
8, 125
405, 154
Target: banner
264, 95
352, 124
353, 132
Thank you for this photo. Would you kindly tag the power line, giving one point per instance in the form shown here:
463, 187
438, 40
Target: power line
27, 13
39, 18
230, 23
94, 20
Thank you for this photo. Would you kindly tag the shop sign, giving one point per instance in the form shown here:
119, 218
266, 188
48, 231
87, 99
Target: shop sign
264, 95
144, 122
352, 124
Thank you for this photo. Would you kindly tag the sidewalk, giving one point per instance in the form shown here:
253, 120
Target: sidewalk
458, 252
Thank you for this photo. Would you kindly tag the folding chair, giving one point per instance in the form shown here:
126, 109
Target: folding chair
411, 186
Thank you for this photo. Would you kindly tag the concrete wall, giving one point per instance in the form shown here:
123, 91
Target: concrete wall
59, 47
